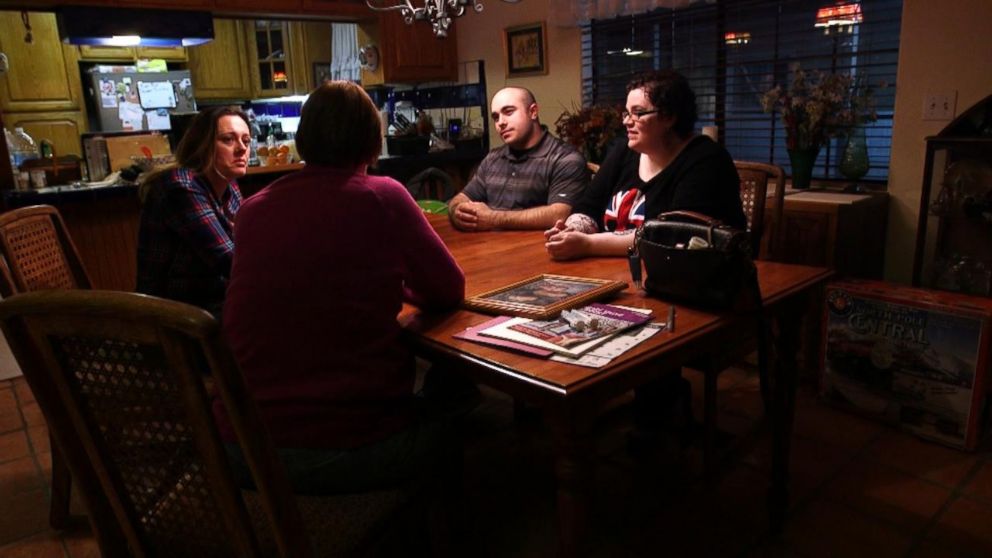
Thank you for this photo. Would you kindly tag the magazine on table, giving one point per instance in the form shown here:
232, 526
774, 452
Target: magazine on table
573, 333
472, 334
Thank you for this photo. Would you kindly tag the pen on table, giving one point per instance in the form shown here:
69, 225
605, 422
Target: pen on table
670, 326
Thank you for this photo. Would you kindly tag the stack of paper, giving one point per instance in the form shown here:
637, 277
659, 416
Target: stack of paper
570, 335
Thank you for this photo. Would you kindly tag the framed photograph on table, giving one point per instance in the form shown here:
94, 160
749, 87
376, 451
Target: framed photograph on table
543, 296
321, 73
526, 50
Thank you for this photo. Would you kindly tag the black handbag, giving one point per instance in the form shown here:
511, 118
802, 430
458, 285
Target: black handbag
697, 261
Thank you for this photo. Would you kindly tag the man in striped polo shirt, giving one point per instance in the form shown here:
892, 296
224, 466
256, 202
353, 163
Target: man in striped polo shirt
530, 182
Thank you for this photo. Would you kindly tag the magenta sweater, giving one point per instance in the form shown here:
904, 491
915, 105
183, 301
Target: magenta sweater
323, 261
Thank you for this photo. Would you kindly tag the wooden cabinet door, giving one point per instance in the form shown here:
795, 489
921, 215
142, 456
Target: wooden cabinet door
270, 50
311, 48
197, 4
352, 8
262, 6
106, 53
62, 128
808, 237
219, 69
411, 53
174, 54
43, 74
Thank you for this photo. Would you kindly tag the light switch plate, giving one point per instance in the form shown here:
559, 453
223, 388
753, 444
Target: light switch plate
939, 105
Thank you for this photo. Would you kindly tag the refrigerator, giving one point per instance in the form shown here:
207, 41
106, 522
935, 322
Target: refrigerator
137, 101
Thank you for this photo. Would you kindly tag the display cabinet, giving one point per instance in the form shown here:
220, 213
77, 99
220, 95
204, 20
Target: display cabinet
271, 60
953, 251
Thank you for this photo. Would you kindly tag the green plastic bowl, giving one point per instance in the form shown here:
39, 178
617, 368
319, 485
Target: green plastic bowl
433, 207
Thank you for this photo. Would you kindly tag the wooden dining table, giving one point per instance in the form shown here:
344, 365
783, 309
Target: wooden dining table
571, 397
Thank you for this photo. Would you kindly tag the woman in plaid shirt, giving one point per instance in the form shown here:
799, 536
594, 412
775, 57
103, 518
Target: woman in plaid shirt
185, 241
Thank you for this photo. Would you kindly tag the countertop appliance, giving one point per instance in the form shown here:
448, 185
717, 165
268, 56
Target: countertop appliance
136, 101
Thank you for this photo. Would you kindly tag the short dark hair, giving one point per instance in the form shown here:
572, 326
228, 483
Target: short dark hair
339, 126
669, 92
528, 95
196, 148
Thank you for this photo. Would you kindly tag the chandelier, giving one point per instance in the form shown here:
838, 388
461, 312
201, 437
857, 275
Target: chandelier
438, 12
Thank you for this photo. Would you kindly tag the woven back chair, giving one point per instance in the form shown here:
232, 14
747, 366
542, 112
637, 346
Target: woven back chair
755, 179
41, 255
120, 378
39, 251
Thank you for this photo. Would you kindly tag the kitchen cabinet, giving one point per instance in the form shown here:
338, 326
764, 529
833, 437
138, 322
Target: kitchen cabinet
845, 232
411, 54
219, 69
105, 53
313, 40
271, 55
345, 9
265, 6
129, 54
62, 128
356, 8
174, 54
43, 74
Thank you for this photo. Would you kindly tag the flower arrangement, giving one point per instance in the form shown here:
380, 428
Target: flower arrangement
590, 129
819, 106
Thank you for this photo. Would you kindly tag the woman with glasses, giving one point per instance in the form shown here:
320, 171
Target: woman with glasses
663, 166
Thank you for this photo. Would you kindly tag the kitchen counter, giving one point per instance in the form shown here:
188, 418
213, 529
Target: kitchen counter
54, 195
103, 221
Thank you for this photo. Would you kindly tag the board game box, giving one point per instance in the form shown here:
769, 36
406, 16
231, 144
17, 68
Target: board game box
913, 357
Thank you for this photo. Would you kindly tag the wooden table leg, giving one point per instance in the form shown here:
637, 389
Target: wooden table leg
574, 474
783, 409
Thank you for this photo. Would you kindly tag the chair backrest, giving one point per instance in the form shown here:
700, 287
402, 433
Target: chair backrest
120, 379
755, 180
431, 184
39, 251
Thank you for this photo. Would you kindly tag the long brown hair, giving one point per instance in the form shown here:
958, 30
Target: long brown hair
197, 147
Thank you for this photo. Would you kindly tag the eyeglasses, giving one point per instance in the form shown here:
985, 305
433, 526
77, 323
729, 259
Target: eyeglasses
637, 114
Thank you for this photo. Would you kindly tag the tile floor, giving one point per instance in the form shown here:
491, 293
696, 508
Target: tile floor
859, 488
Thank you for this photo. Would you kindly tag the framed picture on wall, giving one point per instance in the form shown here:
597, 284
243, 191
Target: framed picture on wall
321, 73
526, 50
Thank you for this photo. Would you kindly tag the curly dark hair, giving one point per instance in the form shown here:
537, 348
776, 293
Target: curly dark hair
669, 92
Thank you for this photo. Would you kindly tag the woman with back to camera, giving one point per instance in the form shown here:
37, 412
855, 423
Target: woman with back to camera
324, 260
187, 217
662, 167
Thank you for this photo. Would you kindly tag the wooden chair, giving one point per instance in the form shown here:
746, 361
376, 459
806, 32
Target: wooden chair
755, 178
119, 378
36, 245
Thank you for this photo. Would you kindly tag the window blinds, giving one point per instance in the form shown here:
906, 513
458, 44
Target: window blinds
733, 51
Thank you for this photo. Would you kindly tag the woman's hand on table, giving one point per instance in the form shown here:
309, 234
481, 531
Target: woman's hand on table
558, 227
566, 244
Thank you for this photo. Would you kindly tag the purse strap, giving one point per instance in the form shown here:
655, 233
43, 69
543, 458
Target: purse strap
690, 216
693, 216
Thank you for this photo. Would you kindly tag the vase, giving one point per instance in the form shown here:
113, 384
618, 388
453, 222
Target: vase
802, 161
854, 159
